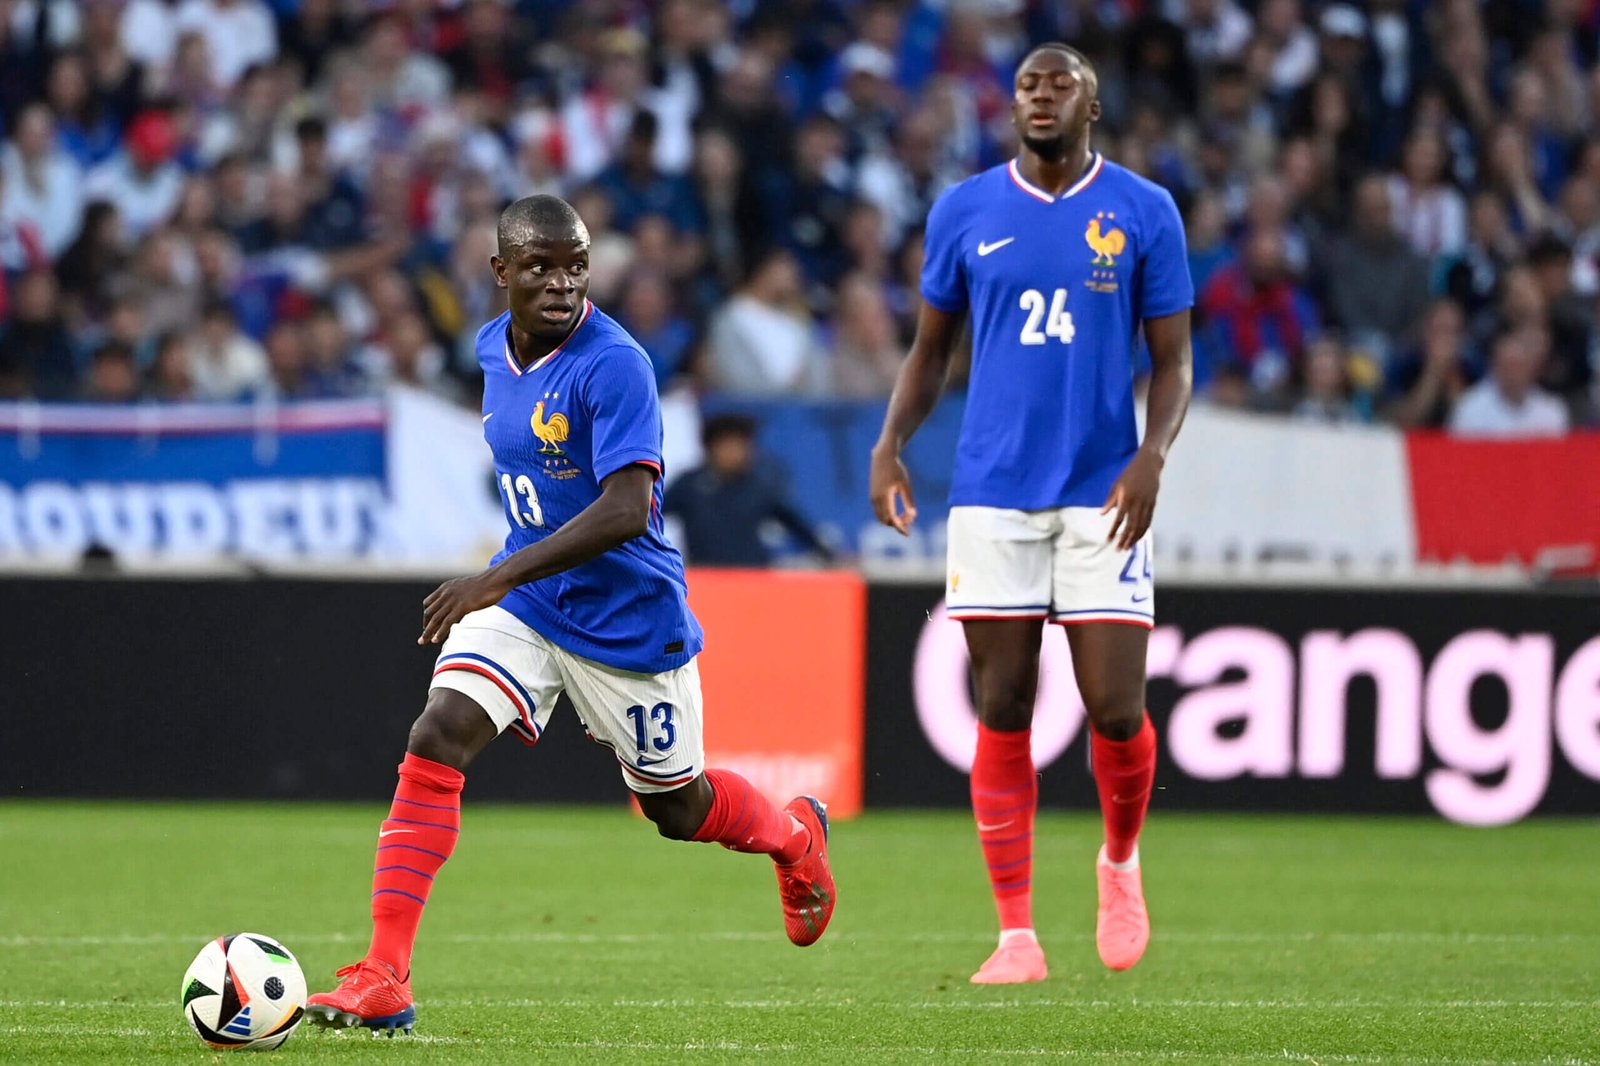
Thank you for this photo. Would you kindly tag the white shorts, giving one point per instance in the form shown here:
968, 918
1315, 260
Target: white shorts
651, 722
1052, 564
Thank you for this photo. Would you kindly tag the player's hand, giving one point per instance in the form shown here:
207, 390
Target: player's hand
454, 600
890, 486
1133, 497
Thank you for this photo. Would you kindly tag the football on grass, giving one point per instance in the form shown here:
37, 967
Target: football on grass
244, 992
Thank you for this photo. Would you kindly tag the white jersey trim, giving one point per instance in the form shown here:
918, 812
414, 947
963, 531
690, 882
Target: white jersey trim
1077, 186
511, 360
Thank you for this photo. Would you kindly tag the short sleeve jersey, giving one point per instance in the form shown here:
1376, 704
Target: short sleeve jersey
1057, 287
558, 428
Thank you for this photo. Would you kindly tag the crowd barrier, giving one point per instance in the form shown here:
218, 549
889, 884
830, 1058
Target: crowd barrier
1482, 707
408, 478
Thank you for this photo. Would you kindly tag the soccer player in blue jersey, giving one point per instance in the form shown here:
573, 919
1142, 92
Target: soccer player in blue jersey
587, 597
1059, 257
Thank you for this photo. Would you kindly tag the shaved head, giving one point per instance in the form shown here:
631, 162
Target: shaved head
546, 219
1071, 52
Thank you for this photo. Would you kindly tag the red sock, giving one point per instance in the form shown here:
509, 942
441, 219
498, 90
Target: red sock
742, 819
414, 841
1124, 771
1005, 793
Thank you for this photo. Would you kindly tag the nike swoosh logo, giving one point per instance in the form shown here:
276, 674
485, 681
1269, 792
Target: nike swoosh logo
982, 828
488, 416
392, 832
984, 248
1140, 599
643, 762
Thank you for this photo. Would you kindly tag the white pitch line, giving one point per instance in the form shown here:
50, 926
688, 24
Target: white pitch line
927, 1051
982, 1054
73, 1030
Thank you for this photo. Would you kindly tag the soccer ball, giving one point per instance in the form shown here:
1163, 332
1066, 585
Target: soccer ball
244, 992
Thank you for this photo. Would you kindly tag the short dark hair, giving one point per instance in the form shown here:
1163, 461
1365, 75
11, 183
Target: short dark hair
531, 217
114, 350
644, 126
727, 425
1062, 46
1548, 249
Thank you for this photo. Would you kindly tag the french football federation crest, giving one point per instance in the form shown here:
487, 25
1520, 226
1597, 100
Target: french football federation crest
552, 432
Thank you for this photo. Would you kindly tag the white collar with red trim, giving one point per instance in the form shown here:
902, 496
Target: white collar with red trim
1078, 186
511, 360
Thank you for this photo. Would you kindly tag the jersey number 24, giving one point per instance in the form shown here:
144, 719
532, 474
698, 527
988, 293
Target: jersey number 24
1057, 323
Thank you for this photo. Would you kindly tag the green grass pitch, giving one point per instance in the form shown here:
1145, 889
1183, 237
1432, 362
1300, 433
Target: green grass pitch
563, 935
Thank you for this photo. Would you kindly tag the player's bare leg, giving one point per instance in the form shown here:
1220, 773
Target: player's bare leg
1005, 789
721, 807
1109, 661
413, 843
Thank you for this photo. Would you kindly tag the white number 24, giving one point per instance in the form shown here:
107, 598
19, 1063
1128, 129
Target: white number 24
1057, 324
521, 492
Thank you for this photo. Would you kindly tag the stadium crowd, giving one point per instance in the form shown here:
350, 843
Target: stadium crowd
1393, 209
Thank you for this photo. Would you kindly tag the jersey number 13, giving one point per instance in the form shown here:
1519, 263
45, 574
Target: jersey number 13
520, 494
1057, 322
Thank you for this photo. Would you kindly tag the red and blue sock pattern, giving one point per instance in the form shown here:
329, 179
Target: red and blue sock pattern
1124, 773
413, 843
1005, 794
742, 819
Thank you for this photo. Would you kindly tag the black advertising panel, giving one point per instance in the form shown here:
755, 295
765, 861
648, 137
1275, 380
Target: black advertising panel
257, 689
1481, 706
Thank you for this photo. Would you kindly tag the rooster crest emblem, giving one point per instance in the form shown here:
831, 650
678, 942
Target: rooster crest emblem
551, 433
1106, 245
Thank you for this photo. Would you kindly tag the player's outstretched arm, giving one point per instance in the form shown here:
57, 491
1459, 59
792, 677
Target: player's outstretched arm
1171, 383
620, 514
916, 390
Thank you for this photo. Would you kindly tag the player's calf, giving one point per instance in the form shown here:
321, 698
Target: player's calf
678, 814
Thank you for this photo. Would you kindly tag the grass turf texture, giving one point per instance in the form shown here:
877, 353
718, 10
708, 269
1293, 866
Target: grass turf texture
562, 935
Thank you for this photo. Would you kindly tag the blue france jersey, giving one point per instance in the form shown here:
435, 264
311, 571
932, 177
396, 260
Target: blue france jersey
1057, 287
558, 429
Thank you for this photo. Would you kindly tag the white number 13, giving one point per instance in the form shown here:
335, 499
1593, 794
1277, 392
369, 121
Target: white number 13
519, 493
1058, 324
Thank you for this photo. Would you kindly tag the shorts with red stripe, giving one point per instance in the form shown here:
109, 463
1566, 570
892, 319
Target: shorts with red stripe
651, 722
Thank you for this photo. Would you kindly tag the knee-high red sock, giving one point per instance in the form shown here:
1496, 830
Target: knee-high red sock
742, 819
1124, 772
1005, 793
413, 842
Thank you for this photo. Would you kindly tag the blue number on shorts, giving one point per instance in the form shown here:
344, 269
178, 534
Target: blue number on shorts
661, 712
1128, 576
669, 733
637, 714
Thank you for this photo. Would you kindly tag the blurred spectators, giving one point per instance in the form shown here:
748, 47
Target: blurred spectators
1328, 391
763, 342
43, 183
1258, 318
1509, 402
1377, 286
726, 505
1428, 379
181, 177
36, 352
226, 364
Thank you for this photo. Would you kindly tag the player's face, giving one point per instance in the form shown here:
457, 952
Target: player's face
547, 280
1053, 103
